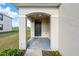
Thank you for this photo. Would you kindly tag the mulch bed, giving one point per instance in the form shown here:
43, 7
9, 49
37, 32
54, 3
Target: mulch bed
50, 53
23, 52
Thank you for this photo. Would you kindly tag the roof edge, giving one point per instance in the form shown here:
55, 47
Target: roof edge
6, 15
36, 4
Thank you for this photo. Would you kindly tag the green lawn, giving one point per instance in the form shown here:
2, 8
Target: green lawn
11, 39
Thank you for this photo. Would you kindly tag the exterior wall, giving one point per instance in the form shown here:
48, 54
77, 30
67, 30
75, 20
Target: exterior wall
46, 28
7, 24
69, 29
22, 32
54, 32
49, 10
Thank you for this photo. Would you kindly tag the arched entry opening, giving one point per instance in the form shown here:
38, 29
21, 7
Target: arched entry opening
40, 30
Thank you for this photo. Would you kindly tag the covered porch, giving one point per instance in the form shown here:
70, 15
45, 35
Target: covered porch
44, 24
40, 30
42, 43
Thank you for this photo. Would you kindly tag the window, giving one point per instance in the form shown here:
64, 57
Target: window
1, 26
1, 17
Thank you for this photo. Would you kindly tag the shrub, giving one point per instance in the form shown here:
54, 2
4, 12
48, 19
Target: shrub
51, 53
11, 52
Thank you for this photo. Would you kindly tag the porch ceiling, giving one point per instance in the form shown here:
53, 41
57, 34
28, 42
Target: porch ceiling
38, 15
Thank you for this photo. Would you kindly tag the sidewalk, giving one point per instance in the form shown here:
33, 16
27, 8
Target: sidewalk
33, 52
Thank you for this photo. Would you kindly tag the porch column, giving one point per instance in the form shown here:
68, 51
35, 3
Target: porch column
22, 32
54, 32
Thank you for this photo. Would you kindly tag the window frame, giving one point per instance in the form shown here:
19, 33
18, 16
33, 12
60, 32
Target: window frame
1, 17
2, 27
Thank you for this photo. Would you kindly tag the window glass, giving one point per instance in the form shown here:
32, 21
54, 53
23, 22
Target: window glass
1, 17
1, 26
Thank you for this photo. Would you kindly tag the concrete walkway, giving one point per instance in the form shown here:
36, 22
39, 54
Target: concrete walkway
36, 45
39, 43
33, 52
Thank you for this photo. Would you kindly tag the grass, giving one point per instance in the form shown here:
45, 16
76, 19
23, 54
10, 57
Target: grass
3, 34
11, 39
28, 34
15, 28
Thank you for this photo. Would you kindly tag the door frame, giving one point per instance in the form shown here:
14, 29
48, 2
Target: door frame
35, 26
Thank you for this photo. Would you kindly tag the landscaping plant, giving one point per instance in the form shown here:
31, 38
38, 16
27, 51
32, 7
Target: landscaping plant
11, 52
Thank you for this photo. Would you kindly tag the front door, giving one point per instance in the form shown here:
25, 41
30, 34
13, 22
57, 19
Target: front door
37, 28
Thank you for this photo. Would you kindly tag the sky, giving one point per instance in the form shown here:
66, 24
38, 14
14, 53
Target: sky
11, 11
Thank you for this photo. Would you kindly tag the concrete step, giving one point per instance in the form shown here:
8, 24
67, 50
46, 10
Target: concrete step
33, 52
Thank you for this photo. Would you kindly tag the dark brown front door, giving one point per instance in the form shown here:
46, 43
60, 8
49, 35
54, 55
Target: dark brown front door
37, 28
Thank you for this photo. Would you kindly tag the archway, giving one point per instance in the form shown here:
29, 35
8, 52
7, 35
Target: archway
40, 29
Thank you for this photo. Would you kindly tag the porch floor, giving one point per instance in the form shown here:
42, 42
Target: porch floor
39, 43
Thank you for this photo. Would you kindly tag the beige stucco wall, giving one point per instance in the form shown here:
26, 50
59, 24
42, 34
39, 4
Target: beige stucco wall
7, 24
53, 11
22, 32
69, 29
46, 28
54, 33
